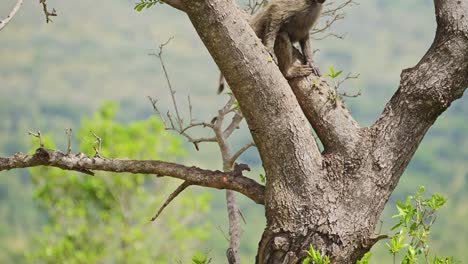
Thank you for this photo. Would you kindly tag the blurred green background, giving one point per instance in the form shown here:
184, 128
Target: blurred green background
55, 76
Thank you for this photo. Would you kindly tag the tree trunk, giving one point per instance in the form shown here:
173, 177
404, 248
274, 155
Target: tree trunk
331, 200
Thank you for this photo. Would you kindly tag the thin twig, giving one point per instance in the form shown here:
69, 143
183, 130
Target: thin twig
154, 103
241, 151
223, 233
47, 13
39, 136
349, 76
190, 108
171, 197
338, 84
177, 124
99, 142
168, 80
333, 11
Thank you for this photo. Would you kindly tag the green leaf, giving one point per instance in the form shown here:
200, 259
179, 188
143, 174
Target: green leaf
262, 178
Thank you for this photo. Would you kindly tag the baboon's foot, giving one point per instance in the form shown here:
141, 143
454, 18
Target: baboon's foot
316, 69
299, 71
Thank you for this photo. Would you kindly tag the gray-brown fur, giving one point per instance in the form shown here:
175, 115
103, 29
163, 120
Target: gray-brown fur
282, 23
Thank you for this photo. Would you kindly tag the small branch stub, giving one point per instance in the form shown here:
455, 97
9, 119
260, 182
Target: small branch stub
99, 145
69, 132
39, 136
171, 197
47, 13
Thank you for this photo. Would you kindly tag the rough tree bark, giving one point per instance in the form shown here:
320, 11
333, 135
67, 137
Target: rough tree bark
342, 192
332, 199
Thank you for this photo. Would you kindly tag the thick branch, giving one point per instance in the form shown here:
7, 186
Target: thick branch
13, 12
327, 113
425, 92
215, 179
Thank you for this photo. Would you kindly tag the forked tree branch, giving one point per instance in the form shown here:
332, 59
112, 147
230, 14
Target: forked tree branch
47, 13
12, 13
425, 92
327, 113
221, 138
214, 179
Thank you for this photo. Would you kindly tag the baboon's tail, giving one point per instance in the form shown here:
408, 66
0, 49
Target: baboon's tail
221, 83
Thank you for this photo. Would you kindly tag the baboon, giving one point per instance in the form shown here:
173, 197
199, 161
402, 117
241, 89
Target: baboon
279, 25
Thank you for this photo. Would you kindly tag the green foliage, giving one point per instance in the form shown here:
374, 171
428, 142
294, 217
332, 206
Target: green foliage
105, 219
365, 259
146, 4
416, 217
262, 178
314, 256
201, 258
332, 74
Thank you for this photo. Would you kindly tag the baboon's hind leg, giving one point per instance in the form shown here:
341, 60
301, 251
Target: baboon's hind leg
290, 67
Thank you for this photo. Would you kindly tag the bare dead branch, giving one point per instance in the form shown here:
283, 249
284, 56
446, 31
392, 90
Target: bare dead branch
171, 197
235, 229
333, 10
336, 84
338, 36
348, 77
357, 94
99, 144
214, 179
37, 135
190, 108
200, 124
12, 13
155, 107
241, 151
159, 55
222, 232
69, 132
47, 13
216, 125
177, 124
327, 24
